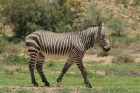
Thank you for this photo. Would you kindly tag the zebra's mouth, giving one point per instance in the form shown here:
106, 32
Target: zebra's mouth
106, 49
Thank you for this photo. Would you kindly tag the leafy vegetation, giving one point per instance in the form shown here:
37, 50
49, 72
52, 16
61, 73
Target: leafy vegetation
15, 59
29, 15
136, 2
117, 25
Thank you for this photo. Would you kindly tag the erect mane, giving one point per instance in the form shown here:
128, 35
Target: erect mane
88, 26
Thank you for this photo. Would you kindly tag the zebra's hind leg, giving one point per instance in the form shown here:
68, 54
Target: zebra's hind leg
33, 59
64, 70
39, 66
83, 71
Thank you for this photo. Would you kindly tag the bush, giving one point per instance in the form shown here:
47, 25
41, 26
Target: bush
136, 2
92, 15
123, 58
29, 15
117, 25
13, 59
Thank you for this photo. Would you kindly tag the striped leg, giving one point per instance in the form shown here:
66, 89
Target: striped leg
83, 71
64, 70
33, 59
39, 65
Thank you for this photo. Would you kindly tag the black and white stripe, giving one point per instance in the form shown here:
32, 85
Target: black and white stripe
71, 46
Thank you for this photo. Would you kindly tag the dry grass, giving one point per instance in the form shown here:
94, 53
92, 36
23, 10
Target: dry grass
123, 58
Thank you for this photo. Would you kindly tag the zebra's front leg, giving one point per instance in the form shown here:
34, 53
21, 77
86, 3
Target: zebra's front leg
84, 73
64, 70
39, 66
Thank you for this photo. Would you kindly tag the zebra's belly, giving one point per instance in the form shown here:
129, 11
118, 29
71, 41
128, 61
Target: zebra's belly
54, 57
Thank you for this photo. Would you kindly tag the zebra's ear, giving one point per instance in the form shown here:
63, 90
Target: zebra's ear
99, 23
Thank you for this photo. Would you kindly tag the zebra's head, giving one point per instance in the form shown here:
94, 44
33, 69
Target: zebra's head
101, 36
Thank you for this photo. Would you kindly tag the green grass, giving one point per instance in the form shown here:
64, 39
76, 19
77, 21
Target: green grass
5, 90
115, 83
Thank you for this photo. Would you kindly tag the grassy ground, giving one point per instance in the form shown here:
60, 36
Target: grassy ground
115, 78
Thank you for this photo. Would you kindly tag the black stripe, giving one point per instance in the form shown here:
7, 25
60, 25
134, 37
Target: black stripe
33, 51
30, 44
41, 42
35, 39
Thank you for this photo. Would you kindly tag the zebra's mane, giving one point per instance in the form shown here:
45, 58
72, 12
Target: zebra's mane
88, 26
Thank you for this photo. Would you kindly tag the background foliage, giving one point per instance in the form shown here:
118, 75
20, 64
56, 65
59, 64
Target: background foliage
29, 15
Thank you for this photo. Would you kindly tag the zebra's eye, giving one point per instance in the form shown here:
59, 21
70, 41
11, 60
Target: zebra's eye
103, 36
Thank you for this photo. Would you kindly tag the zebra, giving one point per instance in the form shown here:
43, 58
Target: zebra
72, 46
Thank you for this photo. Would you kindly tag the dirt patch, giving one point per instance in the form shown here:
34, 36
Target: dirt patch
136, 56
106, 60
31, 89
42, 89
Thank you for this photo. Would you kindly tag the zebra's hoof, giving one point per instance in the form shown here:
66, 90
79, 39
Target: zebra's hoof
47, 84
89, 85
36, 85
59, 84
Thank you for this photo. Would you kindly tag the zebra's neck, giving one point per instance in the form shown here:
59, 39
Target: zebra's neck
87, 36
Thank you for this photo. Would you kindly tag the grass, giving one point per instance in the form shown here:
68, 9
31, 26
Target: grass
115, 83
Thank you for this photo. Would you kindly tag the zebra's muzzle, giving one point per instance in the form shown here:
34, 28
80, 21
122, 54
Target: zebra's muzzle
106, 49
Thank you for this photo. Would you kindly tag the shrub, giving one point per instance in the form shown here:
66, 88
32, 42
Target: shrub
15, 59
29, 15
116, 24
136, 2
123, 58
92, 15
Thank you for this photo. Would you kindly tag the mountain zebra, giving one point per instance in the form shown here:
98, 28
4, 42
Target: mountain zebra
71, 46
